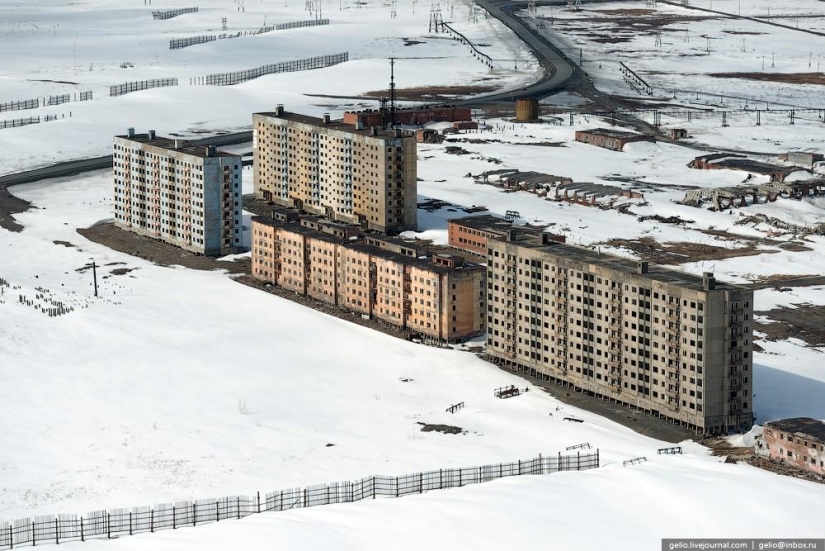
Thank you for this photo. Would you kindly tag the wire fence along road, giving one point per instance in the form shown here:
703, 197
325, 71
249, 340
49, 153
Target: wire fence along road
116, 522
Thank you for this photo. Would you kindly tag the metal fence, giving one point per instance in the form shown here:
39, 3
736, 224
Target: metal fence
169, 14
19, 122
57, 100
20, 105
297, 24
118, 522
178, 43
128, 87
228, 79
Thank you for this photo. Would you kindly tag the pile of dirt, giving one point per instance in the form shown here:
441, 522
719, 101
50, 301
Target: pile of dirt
785, 78
680, 252
443, 429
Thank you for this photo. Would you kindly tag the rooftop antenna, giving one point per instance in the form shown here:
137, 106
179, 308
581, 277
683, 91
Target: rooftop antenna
392, 92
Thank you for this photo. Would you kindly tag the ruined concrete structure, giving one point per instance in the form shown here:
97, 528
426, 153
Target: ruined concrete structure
411, 284
677, 133
804, 159
408, 116
189, 196
735, 161
609, 138
800, 442
471, 233
588, 193
357, 176
742, 196
671, 344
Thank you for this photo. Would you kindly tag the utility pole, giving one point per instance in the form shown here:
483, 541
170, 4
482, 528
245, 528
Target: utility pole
392, 92
94, 275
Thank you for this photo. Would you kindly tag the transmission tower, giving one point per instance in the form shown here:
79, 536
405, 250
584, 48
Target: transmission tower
392, 92
531, 8
393, 9
436, 22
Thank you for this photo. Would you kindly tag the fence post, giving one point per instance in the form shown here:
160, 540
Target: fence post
396, 486
151, 520
499, 470
34, 539
56, 532
373, 487
194, 514
597, 458
238, 507
578, 460
519, 467
130, 523
82, 535
558, 465
459, 478
479, 474
259, 502
305, 498
109, 525
421, 483
217, 512
440, 481
541, 465
174, 518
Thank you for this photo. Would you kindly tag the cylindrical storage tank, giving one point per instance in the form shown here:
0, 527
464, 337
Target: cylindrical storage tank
527, 109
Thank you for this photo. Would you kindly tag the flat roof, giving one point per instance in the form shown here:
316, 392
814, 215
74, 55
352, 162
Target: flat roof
613, 133
654, 271
332, 124
297, 227
169, 143
426, 263
801, 425
483, 222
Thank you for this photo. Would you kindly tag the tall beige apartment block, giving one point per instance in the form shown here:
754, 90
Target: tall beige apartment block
425, 289
186, 195
671, 344
350, 174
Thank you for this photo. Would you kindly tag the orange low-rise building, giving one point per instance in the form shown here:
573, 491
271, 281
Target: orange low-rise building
411, 284
472, 232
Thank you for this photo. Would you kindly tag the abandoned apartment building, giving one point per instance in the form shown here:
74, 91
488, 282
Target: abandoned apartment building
799, 442
609, 138
186, 195
407, 283
353, 174
674, 345
470, 233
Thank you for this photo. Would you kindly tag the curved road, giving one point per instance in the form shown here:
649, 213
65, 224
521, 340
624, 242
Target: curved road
558, 70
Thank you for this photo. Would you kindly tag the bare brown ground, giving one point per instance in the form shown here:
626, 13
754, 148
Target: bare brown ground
805, 322
749, 33
785, 78
437, 93
680, 252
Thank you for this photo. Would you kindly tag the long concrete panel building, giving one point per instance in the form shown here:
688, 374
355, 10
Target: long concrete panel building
415, 286
672, 344
189, 196
351, 174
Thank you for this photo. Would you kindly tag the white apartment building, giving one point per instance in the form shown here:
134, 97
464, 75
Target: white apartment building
186, 195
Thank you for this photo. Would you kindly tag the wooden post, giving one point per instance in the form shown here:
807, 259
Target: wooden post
34, 539
151, 520
440, 481
56, 532
459, 478
130, 523
519, 466
597, 458
194, 514
259, 502
499, 470
541, 466
217, 512
558, 466
82, 535
238, 507
109, 525
174, 519
578, 460
305, 498
421, 483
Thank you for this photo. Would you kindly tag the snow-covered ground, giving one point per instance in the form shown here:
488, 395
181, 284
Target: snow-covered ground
178, 384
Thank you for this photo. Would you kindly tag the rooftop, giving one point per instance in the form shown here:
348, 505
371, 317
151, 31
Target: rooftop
484, 222
297, 227
654, 272
332, 124
613, 133
800, 425
171, 144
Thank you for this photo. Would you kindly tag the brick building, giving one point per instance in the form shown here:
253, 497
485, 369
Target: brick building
609, 138
800, 442
188, 196
426, 289
671, 344
356, 176
408, 116
471, 233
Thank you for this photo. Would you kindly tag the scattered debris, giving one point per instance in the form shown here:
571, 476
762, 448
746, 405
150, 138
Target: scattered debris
634, 461
443, 429
64, 243
666, 220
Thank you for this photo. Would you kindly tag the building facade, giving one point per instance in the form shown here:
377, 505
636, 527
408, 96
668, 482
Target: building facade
674, 345
188, 196
356, 176
800, 442
429, 290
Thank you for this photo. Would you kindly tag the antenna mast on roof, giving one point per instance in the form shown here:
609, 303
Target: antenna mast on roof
392, 92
